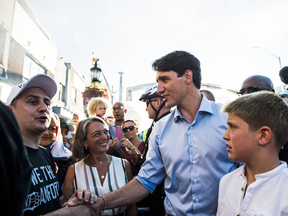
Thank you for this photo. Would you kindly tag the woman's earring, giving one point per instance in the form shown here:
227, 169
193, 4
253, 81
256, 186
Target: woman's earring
86, 148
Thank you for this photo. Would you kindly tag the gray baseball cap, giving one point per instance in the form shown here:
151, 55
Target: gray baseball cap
42, 81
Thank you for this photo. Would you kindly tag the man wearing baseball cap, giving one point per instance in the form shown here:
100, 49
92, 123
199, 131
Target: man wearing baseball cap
30, 103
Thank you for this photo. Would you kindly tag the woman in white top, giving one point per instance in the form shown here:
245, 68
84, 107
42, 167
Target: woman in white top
97, 171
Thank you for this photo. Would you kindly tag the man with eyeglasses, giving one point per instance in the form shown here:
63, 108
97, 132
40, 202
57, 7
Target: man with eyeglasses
256, 83
115, 128
156, 109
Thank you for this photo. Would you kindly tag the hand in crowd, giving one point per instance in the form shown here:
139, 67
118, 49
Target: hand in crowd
115, 141
126, 143
81, 196
97, 206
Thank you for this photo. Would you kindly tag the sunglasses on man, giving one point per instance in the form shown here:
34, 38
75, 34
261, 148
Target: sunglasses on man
148, 102
252, 89
130, 128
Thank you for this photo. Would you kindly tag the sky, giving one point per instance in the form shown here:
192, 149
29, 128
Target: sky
128, 35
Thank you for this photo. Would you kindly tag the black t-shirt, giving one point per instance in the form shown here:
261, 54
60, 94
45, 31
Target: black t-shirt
15, 170
45, 189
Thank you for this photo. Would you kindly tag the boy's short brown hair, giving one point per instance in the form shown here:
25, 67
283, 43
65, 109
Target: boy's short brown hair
262, 109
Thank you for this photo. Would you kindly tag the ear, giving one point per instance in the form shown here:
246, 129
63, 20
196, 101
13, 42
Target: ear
265, 134
11, 107
188, 76
158, 103
84, 143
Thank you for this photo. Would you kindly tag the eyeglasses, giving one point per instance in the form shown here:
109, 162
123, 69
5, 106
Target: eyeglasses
118, 108
252, 89
283, 95
130, 128
148, 102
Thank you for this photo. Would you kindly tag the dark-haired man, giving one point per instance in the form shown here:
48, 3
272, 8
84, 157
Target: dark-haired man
187, 145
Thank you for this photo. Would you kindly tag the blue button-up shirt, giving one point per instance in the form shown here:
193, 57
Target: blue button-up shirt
194, 157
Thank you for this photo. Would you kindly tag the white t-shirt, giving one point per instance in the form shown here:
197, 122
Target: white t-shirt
268, 195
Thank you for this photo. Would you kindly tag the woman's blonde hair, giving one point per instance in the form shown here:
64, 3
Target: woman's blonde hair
94, 103
79, 151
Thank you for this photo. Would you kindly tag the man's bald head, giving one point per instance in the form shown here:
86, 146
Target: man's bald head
263, 82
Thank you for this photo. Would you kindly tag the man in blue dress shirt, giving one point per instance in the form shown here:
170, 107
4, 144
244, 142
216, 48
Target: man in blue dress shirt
187, 145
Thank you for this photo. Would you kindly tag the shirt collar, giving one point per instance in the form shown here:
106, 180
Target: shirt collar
205, 106
271, 173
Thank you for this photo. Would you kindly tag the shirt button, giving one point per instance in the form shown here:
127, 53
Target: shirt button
192, 144
195, 180
197, 200
242, 189
194, 161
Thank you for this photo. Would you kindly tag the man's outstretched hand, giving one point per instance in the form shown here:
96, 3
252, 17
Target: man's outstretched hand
81, 196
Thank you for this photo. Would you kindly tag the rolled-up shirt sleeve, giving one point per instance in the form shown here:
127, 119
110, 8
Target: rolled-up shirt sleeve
152, 171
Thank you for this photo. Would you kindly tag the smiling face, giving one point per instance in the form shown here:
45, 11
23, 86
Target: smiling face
171, 87
130, 134
32, 111
241, 142
97, 138
49, 136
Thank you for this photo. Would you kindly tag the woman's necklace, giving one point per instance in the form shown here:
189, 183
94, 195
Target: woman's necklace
104, 160
101, 162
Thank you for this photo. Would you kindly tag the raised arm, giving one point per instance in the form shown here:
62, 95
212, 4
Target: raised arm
131, 193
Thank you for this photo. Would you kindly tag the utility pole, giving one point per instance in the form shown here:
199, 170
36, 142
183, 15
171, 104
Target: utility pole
121, 87
278, 57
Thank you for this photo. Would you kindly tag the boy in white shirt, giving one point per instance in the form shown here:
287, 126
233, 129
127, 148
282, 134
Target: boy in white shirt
257, 129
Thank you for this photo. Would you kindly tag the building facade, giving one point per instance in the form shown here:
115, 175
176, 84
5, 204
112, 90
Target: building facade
26, 49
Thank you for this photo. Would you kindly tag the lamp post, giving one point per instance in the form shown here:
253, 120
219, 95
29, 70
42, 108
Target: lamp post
278, 57
95, 72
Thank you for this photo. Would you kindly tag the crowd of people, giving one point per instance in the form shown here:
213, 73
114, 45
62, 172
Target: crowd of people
196, 158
